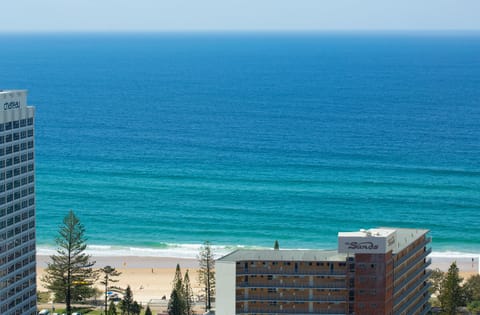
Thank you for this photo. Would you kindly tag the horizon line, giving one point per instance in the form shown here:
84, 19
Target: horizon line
243, 31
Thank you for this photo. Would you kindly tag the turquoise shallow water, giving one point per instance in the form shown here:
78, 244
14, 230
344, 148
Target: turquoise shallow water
159, 142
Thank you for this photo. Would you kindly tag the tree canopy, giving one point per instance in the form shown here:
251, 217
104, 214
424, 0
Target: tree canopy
108, 276
126, 305
451, 294
206, 273
175, 304
70, 275
187, 294
276, 246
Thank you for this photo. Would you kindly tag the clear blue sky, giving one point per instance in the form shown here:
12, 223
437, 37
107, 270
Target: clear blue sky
223, 15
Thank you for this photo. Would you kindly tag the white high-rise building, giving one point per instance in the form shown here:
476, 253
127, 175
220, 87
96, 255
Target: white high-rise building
17, 205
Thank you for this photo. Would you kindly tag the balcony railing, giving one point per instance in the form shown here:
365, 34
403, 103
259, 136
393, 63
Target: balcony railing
260, 271
291, 298
410, 278
423, 244
407, 305
262, 311
421, 303
412, 263
340, 286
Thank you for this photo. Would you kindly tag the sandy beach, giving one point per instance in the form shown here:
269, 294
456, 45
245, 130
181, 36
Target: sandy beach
150, 278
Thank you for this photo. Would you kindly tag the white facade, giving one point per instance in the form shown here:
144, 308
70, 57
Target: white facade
372, 241
17, 205
225, 287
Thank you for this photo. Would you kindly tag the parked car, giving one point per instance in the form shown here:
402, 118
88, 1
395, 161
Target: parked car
44, 312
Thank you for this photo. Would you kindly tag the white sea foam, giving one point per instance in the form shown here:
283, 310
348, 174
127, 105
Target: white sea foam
170, 250
448, 254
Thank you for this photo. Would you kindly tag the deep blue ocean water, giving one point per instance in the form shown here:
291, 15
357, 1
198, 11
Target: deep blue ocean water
161, 141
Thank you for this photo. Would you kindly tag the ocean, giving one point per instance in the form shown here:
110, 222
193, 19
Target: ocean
160, 142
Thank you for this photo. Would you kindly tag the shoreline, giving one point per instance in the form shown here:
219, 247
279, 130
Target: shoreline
190, 251
464, 263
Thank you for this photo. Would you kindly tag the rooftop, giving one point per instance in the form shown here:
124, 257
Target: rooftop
406, 237
283, 255
5, 92
400, 237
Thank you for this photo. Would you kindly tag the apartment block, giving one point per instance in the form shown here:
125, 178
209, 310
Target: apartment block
17, 205
376, 271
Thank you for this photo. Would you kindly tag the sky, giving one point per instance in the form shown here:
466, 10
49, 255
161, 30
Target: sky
236, 15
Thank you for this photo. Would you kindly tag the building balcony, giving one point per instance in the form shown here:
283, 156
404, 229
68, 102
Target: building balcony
259, 271
408, 267
274, 284
318, 299
420, 304
408, 293
423, 278
262, 311
416, 249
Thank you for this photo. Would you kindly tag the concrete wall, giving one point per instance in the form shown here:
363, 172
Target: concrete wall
225, 287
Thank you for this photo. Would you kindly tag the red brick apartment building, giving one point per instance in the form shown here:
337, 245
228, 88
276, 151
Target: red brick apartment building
377, 271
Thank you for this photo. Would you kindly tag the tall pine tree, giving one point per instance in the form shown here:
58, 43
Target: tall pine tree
112, 309
451, 295
108, 277
126, 304
177, 280
187, 294
175, 304
148, 311
206, 273
70, 275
